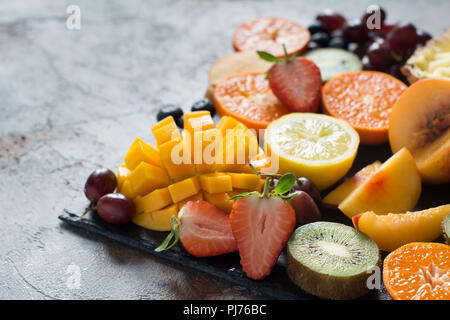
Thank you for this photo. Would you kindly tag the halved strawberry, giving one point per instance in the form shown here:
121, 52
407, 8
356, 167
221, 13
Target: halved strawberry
295, 81
261, 224
203, 229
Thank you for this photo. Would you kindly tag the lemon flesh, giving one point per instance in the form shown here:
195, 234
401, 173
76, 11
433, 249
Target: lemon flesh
316, 146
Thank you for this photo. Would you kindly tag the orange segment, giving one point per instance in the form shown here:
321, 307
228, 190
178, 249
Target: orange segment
247, 97
365, 100
269, 34
418, 271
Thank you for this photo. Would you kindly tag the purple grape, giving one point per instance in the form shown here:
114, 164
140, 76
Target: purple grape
356, 32
116, 208
332, 20
99, 183
306, 209
379, 54
423, 37
402, 37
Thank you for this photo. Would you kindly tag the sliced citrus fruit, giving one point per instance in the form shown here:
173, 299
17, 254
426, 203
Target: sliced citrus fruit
247, 97
316, 146
234, 63
364, 99
269, 34
418, 271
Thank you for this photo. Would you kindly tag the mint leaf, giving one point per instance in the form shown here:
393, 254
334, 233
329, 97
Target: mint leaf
285, 184
267, 56
174, 232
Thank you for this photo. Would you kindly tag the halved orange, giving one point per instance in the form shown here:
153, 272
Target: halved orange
365, 100
247, 97
418, 271
269, 34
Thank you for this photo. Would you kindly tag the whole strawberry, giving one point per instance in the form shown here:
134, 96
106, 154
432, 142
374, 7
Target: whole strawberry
295, 81
262, 224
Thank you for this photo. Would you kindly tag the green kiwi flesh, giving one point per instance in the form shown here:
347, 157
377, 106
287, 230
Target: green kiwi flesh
331, 260
446, 227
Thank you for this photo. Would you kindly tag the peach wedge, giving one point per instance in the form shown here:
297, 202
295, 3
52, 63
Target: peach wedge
394, 230
394, 187
335, 197
420, 121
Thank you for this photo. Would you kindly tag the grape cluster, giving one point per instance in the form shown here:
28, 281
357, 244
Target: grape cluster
381, 49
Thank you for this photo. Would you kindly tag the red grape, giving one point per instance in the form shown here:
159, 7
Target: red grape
423, 37
355, 32
402, 37
116, 208
379, 54
332, 20
99, 183
306, 210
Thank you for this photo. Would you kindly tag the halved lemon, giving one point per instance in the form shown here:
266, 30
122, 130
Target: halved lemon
316, 146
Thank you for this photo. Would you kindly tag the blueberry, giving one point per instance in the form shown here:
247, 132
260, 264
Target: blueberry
169, 110
204, 104
321, 38
180, 122
313, 45
317, 27
337, 42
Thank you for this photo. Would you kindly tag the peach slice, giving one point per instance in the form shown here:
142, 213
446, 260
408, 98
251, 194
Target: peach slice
394, 187
335, 197
420, 121
394, 230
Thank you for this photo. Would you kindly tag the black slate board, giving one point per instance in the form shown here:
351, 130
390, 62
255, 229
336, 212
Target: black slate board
277, 285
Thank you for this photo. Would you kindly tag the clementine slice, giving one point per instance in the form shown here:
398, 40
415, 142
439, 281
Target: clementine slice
269, 34
247, 97
365, 100
418, 271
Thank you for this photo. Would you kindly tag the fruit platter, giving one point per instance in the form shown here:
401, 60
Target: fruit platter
316, 166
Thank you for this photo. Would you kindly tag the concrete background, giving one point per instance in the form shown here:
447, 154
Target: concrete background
72, 101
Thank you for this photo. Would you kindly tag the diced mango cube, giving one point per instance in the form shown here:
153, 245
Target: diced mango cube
166, 132
207, 146
247, 181
227, 123
145, 178
176, 158
153, 201
163, 122
220, 200
142, 152
197, 121
239, 146
184, 189
122, 173
159, 220
126, 189
215, 182
198, 196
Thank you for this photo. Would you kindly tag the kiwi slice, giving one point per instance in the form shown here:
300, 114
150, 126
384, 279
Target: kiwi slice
331, 260
333, 61
446, 227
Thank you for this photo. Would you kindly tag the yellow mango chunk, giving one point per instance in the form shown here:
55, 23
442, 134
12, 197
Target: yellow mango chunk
142, 152
227, 123
184, 189
126, 189
197, 121
247, 181
153, 201
166, 132
215, 182
122, 173
239, 145
207, 146
145, 178
198, 196
176, 157
159, 220
220, 200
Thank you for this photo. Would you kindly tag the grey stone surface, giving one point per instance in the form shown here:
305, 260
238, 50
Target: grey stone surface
72, 101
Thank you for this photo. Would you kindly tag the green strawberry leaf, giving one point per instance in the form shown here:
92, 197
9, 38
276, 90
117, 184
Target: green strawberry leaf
174, 232
289, 196
242, 195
